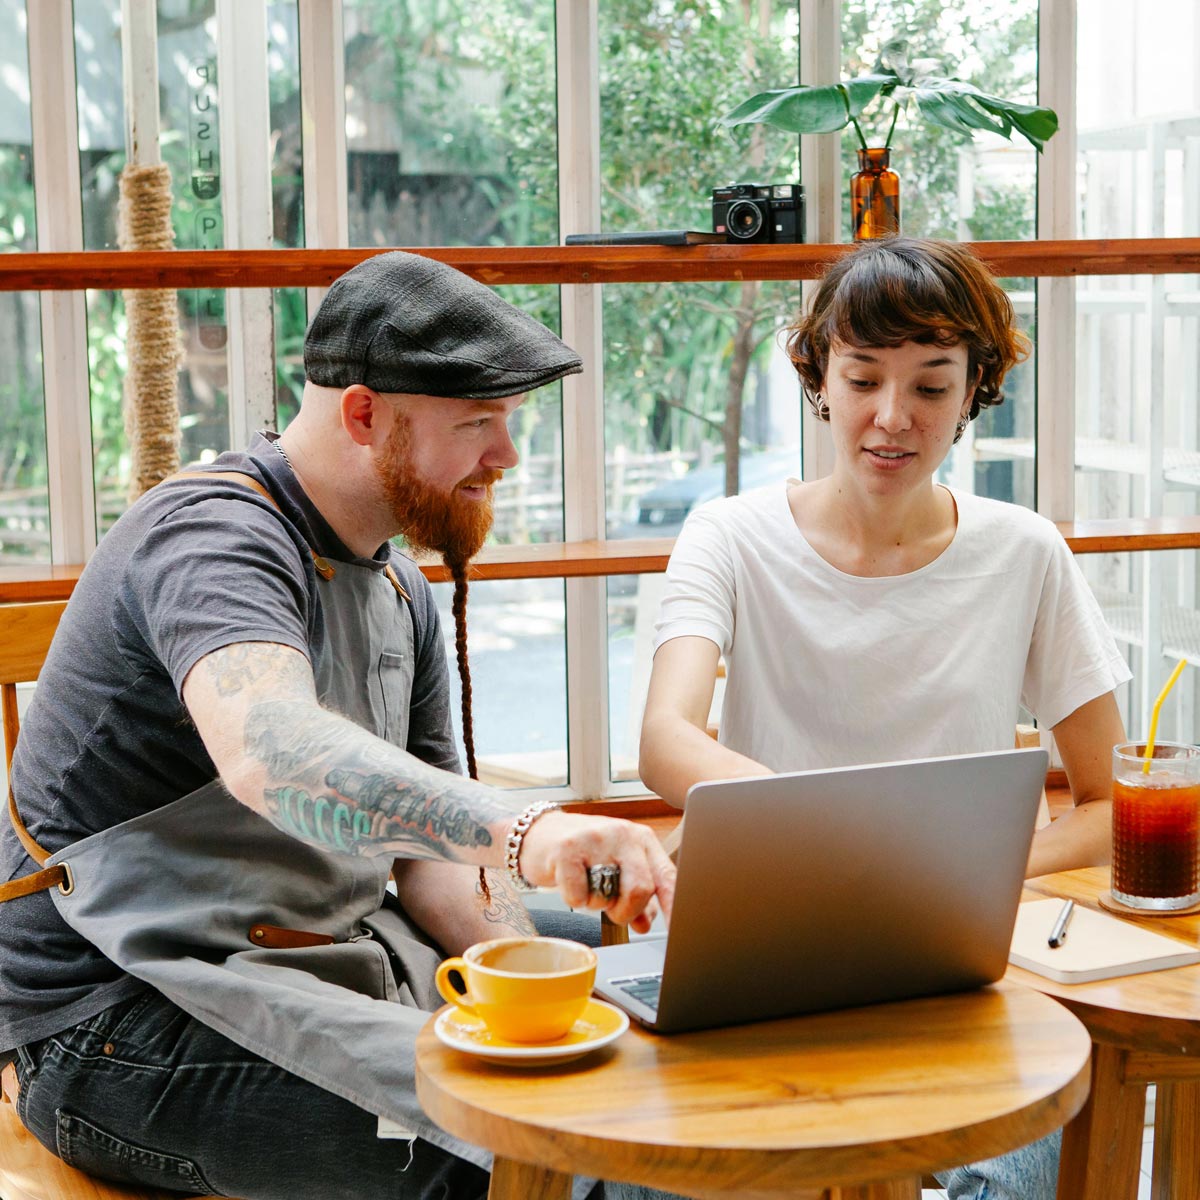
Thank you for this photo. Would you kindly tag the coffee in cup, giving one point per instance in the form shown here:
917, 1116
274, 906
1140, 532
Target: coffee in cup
530, 989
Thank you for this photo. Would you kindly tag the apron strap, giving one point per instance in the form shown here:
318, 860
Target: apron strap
58, 876
34, 851
324, 567
394, 579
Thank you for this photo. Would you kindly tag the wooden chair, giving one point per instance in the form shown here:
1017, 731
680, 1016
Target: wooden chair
28, 1171
26, 631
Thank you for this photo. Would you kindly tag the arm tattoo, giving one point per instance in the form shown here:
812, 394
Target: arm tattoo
505, 907
336, 785
235, 667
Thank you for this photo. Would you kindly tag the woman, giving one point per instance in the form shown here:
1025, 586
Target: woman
875, 614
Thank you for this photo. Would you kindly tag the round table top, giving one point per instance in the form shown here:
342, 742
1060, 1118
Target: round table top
1157, 1010
861, 1094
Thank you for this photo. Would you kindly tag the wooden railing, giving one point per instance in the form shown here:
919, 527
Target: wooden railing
643, 556
498, 265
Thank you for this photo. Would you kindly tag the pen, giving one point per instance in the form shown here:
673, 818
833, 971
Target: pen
1058, 934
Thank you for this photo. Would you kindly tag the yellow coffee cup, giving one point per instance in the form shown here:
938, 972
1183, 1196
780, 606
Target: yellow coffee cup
529, 989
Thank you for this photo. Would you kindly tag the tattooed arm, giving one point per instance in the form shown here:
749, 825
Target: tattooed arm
325, 780
445, 899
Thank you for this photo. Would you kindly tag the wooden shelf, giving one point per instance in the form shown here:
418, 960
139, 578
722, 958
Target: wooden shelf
496, 265
565, 560
1132, 534
642, 556
24, 584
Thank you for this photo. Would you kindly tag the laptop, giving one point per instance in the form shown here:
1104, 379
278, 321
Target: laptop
829, 889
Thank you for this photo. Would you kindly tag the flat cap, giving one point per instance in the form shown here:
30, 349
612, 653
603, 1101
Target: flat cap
405, 323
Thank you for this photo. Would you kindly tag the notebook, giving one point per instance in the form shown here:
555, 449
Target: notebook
828, 889
649, 237
1097, 946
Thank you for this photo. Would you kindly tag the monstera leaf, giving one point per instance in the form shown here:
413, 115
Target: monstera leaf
897, 84
822, 109
963, 107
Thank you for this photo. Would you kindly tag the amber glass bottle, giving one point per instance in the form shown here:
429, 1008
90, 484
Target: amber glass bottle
874, 196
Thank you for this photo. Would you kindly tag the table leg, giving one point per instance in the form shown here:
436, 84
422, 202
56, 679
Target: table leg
1102, 1146
523, 1181
1176, 1172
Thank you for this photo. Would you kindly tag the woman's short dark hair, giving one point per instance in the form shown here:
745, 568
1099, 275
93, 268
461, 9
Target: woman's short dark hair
902, 289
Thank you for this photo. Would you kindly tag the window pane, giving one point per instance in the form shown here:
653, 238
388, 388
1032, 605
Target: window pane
950, 185
995, 456
699, 398
1149, 602
24, 503
190, 142
287, 200
450, 118
1137, 452
969, 189
517, 646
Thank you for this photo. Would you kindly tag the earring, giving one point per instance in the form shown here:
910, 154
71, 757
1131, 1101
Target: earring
822, 407
960, 428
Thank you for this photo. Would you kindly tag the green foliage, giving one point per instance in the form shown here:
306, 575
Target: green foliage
947, 102
467, 90
18, 229
994, 42
671, 352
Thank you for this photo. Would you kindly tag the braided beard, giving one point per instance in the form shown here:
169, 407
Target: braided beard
427, 517
455, 527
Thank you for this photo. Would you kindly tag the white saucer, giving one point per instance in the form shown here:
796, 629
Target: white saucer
600, 1024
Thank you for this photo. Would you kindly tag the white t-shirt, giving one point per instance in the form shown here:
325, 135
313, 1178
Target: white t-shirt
826, 669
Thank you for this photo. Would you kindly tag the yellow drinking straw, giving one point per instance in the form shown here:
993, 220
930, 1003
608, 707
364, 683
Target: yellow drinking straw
1154, 713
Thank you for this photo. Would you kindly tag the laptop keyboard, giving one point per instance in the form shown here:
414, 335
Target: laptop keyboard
644, 988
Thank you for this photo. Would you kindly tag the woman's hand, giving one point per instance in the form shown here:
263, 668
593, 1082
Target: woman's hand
560, 847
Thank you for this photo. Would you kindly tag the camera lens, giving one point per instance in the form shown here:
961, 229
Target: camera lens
743, 220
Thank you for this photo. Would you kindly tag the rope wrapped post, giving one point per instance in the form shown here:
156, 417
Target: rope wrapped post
152, 341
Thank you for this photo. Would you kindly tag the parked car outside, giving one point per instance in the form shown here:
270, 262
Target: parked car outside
661, 510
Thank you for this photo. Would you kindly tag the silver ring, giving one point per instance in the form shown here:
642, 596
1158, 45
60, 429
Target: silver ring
605, 880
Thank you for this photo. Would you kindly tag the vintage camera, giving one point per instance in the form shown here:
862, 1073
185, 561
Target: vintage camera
759, 212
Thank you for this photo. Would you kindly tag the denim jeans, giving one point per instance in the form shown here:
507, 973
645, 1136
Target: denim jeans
1030, 1173
144, 1094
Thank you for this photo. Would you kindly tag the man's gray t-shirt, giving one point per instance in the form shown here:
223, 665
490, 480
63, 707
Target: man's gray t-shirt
192, 567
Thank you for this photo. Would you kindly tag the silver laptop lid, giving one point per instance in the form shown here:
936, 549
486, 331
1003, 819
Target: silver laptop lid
826, 889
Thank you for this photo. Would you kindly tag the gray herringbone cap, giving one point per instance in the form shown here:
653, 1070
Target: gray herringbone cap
404, 323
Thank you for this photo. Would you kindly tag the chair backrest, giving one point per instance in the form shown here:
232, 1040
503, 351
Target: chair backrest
26, 631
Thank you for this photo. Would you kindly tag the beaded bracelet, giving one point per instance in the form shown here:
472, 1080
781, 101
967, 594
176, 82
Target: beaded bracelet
516, 836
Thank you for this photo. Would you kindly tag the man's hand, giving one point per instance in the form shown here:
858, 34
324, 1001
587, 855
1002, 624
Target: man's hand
560, 847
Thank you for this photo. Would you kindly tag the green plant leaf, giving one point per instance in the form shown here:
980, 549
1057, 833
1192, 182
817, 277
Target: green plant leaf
820, 109
893, 57
953, 104
1035, 123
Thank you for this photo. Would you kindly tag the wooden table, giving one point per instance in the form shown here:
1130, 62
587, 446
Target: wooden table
1146, 1029
861, 1102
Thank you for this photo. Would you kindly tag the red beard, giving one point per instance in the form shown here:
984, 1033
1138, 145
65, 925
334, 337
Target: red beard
427, 517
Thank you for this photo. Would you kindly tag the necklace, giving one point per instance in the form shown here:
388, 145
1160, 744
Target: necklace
283, 454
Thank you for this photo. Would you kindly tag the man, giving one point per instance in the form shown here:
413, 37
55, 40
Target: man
241, 728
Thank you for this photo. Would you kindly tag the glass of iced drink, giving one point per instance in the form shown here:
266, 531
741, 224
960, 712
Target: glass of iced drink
1156, 826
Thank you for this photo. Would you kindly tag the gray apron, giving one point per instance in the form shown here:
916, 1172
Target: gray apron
176, 897
204, 900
